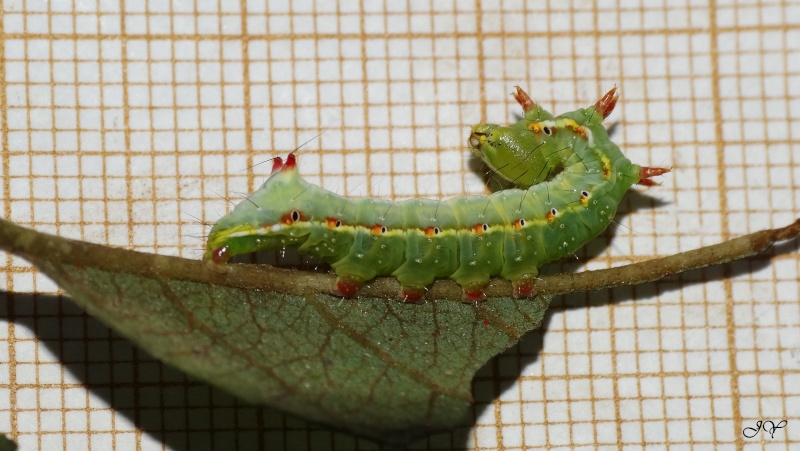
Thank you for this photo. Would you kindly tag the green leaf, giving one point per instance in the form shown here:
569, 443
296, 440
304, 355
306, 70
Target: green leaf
373, 366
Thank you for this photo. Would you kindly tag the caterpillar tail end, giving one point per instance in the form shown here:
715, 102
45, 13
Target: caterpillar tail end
645, 173
347, 287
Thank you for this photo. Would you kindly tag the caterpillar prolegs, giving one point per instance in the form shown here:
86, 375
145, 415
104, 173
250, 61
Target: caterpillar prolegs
570, 179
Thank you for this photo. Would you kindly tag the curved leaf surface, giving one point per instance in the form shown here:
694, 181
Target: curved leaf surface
374, 366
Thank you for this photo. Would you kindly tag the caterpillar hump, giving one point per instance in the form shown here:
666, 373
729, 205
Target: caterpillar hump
571, 179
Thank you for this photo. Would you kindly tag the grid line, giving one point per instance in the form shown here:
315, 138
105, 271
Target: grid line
725, 228
279, 36
11, 338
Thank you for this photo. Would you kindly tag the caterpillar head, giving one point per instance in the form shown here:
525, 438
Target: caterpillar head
512, 152
267, 219
535, 148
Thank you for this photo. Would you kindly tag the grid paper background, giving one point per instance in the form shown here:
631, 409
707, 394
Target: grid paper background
129, 122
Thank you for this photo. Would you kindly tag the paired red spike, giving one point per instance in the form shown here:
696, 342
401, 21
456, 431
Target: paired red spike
645, 173
291, 161
607, 103
277, 164
524, 100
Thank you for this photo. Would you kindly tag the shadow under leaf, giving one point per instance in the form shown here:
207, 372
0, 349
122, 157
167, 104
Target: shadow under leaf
171, 408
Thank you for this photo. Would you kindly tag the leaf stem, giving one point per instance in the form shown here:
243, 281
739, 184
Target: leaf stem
651, 270
35, 246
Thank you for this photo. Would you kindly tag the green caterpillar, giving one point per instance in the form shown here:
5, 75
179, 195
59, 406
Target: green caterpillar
572, 178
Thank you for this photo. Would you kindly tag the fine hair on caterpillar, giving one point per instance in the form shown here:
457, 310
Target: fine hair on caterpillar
569, 179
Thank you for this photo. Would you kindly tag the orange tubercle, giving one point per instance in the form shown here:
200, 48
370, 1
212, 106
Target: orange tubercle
480, 229
293, 216
606, 171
